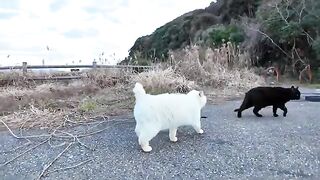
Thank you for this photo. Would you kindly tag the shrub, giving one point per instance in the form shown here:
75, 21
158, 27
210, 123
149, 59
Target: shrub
220, 34
87, 105
224, 67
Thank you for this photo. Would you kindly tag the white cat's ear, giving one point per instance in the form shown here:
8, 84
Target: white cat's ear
201, 94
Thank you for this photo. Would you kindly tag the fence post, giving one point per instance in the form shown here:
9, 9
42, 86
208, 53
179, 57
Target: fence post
24, 68
94, 64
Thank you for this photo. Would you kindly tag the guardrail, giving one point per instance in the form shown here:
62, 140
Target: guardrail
94, 65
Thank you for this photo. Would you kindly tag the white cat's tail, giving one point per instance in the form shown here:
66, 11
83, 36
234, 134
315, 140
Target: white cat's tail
138, 90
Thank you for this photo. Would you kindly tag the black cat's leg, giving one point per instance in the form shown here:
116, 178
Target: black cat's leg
256, 110
284, 109
275, 107
239, 113
245, 105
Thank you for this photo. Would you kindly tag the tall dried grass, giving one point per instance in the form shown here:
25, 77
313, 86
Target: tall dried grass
226, 67
107, 77
163, 80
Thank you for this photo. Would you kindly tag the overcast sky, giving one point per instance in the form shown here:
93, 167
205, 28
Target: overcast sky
77, 31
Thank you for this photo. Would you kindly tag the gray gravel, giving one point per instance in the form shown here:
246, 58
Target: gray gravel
246, 148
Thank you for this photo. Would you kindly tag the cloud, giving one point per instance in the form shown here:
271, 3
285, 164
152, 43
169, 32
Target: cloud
57, 5
105, 9
102, 6
7, 15
94, 10
77, 33
9, 4
4, 45
76, 29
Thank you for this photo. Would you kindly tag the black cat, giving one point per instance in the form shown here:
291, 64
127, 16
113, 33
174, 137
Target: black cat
261, 97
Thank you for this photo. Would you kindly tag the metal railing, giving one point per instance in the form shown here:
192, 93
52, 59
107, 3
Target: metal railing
74, 68
94, 65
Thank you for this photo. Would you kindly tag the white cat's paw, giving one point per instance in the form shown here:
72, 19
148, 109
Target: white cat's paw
146, 148
200, 131
174, 139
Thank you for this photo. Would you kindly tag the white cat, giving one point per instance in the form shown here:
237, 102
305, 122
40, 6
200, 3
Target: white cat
154, 113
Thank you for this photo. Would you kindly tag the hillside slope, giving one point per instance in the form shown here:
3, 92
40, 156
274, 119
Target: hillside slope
190, 27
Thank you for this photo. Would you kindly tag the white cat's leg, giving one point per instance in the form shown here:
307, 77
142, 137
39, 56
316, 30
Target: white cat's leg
197, 127
172, 134
145, 137
145, 146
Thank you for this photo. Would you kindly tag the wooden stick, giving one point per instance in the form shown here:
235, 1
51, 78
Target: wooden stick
46, 167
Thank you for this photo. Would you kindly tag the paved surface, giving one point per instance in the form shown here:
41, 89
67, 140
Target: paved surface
250, 147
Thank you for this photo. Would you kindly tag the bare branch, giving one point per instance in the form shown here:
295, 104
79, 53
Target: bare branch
4, 164
287, 10
14, 135
46, 167
302, 9
75, 138
281, 15
70, 167
283, 51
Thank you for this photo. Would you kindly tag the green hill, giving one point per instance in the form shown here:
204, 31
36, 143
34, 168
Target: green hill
191, 27
276, 31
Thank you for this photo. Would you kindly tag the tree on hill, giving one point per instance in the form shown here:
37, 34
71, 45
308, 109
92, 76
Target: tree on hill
189, 27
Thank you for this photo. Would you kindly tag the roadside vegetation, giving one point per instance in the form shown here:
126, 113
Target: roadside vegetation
222, 73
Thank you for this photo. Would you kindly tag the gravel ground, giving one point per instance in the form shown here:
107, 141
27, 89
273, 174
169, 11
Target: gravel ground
246, 148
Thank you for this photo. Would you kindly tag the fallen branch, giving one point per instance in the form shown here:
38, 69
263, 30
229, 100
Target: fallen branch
17, 137
54, 134
23, 137
21, 127
96, 132
87, 123
75, 138
70, 167
46, 167
4, 164
88, 134
55, 146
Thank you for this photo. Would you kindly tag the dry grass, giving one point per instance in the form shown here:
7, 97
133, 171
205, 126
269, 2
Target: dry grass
34, 117
221, 73
46, 104
105, 78
17, 79
163, 80
223, 70
44, 95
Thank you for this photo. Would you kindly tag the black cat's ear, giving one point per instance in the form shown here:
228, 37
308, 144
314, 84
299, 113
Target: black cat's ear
292, 87
297, 87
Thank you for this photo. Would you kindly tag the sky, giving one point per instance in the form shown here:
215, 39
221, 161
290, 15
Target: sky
59, 32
